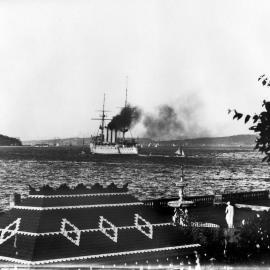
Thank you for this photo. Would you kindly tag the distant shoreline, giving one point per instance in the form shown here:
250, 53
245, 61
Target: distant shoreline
79, 153
245, 140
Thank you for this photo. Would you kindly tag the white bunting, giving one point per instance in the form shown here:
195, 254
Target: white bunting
75, 240
110, 227
145, 225
8, 231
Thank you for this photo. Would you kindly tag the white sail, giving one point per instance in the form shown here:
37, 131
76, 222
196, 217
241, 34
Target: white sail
180, 152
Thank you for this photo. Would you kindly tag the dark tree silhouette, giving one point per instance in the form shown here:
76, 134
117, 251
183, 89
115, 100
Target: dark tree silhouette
261, 123
9, 141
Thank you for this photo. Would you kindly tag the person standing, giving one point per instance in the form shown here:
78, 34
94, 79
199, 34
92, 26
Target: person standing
229, 215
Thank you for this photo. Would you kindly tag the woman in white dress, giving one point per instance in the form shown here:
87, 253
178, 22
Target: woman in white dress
229, 214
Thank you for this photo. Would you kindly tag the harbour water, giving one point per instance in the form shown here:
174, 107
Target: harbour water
207, 171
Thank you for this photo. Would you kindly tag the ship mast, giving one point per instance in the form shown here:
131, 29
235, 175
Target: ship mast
102, 118
125, 104
126, 91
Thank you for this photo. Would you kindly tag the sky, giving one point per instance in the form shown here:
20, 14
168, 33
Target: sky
58, 58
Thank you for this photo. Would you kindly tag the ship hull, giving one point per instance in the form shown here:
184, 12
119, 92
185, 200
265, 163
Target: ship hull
132, 150
113, 150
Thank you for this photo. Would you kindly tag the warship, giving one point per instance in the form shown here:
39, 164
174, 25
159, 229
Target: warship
111, 139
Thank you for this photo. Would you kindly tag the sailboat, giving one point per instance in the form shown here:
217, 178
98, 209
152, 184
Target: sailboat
180, 152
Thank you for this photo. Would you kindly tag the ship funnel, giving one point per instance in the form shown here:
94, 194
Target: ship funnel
111, 135
107, 134
115, 136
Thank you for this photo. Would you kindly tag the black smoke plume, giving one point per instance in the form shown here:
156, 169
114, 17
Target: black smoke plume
127, 118
175, 122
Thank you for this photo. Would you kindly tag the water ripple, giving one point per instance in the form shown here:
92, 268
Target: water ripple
206, 172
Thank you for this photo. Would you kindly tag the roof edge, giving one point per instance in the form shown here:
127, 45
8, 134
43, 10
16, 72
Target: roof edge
46, 208
10, 259
77, 195
64, 189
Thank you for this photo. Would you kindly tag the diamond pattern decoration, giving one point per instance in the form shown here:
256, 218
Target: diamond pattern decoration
144, 226
10, 230
70, 231
108, 229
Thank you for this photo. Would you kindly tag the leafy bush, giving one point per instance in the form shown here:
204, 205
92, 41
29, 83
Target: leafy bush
261, 123
254, 239
261, 126
248, 244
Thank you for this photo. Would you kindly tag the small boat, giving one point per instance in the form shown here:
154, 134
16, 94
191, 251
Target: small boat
180, 152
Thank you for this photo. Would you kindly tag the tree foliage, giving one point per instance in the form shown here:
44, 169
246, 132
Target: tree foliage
254, 239
260, 123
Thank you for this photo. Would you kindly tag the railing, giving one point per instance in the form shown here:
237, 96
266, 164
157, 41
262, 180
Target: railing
209, 199
246, 196
204, 225
201, 200
198, 200
156, 203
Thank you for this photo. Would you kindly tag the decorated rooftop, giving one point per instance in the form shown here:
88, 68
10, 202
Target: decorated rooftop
94, 224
